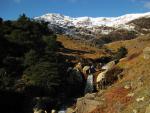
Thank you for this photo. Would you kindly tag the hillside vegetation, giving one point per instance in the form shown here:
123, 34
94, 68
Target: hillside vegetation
131, 93
142, 25
29, 65
34, 64
136, 78
127, 95
78, 48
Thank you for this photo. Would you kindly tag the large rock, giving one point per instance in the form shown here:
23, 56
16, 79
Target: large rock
36, 110
70, 110
85, 105
140, 99
109, 65
146, 53
90, 96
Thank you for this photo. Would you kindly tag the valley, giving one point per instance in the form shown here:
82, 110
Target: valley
81, 49
59, 64
129, 94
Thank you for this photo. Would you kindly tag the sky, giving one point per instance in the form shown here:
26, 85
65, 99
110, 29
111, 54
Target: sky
11, 9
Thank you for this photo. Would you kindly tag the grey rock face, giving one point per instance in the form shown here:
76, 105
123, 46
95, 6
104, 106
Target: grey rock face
85, 105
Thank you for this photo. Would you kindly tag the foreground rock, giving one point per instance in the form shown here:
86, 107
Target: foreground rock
39, 111
109, 66
87, 104
70, 110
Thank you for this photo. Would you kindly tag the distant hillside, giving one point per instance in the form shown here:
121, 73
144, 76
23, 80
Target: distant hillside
142, 25
100, 30
65, 21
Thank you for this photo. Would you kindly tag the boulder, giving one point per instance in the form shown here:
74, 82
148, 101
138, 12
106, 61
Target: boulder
90, 96
127, 86
36, 110
140, 99
146, 53
85, 105
86, 69
101, 76
130, 95
78, 66
53, 111
70, 110
109, 66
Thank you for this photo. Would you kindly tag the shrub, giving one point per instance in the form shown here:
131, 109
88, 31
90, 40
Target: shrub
122, 51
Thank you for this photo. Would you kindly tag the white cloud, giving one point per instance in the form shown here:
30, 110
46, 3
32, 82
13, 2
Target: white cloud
140, 0
147, 5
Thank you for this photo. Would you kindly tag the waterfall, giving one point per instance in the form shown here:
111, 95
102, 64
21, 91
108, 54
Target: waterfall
89, 84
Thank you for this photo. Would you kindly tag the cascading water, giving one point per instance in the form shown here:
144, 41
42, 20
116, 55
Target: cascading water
89, 84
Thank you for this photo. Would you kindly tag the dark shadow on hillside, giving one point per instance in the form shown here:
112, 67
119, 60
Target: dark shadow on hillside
73, 51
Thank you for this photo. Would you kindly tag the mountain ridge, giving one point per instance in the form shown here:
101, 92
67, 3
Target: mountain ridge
86, 21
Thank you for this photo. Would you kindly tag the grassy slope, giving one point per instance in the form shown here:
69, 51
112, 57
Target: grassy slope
136, 75
79, 49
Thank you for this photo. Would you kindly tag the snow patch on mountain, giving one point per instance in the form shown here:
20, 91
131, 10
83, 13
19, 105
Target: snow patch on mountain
66, 21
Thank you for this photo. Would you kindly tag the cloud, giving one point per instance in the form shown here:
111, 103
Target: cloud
147, 5
140, 0
17, 1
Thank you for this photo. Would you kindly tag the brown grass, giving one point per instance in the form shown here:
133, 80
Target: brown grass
88, 51
115, 100
134, 65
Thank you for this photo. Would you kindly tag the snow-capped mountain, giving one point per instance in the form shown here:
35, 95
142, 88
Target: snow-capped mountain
63, 21
99, 30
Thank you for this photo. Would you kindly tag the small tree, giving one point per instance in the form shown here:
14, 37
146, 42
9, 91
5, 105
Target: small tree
50, 42
23, 18
1, 20
43, 75
122, 51
31, 58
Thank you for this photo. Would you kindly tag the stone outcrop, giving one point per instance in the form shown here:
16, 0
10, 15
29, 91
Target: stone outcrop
109, 66
70, 110
36, 110
146, 53
87, 104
